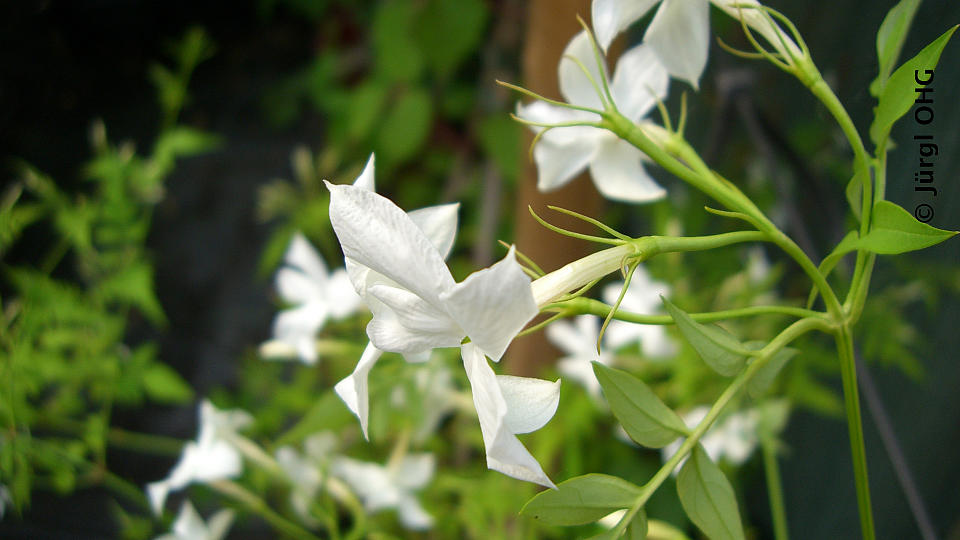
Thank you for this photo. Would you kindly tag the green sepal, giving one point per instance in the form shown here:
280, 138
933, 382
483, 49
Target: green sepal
898, 93
645, 418
708, 498
718, 348
582, 499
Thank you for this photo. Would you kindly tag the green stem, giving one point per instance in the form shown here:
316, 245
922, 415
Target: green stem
775, 488
121, 438
851, 398
789, 334
590, 306
256, 505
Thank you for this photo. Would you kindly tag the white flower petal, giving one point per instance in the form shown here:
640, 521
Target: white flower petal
439, 223
574, 83
610, 17
301, 255
219, 524
295, 287
639, 80
377, 234
531, 403
415, 471
189, 524
353, 389
557, 164
388, 333
546, 113
680, 34
577, 337
412, 515
505, 453
618, 174
342, 300
492, 305
366, 179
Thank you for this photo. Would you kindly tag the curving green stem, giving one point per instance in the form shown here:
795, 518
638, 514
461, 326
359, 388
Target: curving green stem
778, 509
257, 505
589, 306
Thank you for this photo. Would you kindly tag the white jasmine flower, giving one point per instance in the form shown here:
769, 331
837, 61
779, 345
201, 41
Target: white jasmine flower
758, 266
213, 456
734, 438
578, 339
679, 33
562, 153
393, 486
643, 296
306, 472
316, 293
190, 526
397, 267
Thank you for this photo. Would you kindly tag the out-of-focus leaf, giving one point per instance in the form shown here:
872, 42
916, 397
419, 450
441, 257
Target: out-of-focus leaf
164, 385
449, 30
405, 128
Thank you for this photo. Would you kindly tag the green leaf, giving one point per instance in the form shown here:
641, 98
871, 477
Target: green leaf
580, 500
854, 192
895, 231
449, 30
708, 498
366, 107
898, 94
397, 58
133, 285
500, 137
720, 350
890, 38
405, 128
764, 376
164, 385
644, 417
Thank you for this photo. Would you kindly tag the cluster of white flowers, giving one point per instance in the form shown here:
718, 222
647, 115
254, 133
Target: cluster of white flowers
190, 526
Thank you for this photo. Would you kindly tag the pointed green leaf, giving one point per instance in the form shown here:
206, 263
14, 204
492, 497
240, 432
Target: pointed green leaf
720, 350
708, 498
898, 94
641, 413
764, 376
580, 500
890, 38
164, 385
854, 192
895, 231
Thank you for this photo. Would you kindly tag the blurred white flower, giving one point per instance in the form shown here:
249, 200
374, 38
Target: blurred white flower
615, 165
758, 266
316, 293
306, 472
190, 526
679, 33
392, 486
578, 339
733, 438
213, 456
395, 261
643, 296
